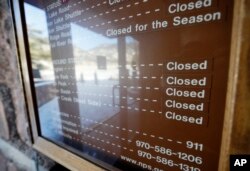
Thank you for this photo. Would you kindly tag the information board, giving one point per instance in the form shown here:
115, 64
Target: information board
132, 84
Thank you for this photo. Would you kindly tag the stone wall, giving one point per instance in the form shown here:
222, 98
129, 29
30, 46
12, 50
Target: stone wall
16, 152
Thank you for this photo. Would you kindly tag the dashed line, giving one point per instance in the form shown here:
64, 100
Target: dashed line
103, 149
119, 86
104, 133
114, 10
147, 88
123, 129
129, 17
107, 142
141, 65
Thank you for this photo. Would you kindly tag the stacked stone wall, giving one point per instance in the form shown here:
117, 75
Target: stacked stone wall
16, 152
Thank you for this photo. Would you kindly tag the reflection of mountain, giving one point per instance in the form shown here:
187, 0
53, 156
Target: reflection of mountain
40, 53
39, 48
87, 63
110, 51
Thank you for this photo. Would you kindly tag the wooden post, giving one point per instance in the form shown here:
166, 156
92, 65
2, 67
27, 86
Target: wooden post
236, 132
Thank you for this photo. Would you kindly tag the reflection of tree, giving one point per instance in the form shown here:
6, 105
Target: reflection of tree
39, 48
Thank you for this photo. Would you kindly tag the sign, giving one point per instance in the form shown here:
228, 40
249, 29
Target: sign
132, 84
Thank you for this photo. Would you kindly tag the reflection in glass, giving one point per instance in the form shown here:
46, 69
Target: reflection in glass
99, 73
89, 87
96, 72
96, 77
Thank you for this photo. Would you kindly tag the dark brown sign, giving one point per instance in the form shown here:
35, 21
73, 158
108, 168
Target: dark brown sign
135, 84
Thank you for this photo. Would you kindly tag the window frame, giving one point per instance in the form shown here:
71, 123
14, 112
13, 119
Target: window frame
73, 161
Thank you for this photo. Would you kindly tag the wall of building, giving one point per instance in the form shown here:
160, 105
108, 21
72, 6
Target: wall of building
16, 152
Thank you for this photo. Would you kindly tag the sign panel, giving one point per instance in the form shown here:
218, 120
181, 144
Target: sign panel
132, 84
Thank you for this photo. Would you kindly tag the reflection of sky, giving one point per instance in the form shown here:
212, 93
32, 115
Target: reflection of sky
36, 19
88, 45
86, 39
82, 38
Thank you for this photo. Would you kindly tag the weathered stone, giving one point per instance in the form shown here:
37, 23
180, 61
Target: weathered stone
10, 75
12, 167
4, 130
21, 116
3, 161
14, 126
9, 111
